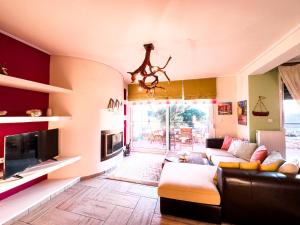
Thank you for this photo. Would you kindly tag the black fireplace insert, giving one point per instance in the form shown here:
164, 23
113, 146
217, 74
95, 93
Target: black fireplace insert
111, 143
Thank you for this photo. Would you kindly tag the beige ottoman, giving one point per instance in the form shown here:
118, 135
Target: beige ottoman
189, 182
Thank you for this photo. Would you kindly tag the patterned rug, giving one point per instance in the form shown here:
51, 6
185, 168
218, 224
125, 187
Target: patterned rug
142, 168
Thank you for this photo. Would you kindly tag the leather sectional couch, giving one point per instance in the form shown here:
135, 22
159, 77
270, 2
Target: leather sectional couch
239, 197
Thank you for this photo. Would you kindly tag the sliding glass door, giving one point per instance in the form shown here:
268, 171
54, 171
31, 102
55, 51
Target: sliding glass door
158, 126
189, 125
148, 127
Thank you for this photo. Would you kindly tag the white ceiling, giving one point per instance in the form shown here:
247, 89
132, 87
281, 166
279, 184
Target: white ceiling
204, 37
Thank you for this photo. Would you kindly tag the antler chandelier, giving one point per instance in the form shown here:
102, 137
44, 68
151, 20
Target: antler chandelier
149, 74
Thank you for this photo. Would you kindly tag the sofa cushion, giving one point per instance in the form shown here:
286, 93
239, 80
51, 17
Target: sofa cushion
226, 143
259, 154
215, 151
189, 182
216, 159
273, 157
290, 167
245, 150
234, 146
249, 165
271, 167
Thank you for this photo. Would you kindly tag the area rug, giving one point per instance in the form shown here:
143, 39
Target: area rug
142, 168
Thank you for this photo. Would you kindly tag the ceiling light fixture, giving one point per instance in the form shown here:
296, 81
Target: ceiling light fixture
147, 71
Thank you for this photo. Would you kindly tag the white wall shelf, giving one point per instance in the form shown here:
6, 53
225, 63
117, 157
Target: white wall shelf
25, 119
15, 82
37, 171
26, 200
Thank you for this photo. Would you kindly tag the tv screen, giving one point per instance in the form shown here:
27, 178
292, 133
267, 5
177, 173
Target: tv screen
26, 150
48, 144
20, 153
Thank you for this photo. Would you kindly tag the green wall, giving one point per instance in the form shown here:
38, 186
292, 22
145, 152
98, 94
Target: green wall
266, 85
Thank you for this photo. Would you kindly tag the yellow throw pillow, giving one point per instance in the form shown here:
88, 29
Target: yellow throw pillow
231, 165
271, 167
249, 165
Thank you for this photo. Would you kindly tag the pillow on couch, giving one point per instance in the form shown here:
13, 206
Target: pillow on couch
291, 167
249, 165
245, 150
273, 157
271, 167
226, 143
259, 154
234, 146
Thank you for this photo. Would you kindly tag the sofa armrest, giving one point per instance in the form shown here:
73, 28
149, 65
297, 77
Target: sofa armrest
214, 142
256, 197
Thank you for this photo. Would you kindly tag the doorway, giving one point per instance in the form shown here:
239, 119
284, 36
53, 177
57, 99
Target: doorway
292, 128
158, 126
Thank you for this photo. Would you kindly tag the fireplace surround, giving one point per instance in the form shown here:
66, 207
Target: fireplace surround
111, 143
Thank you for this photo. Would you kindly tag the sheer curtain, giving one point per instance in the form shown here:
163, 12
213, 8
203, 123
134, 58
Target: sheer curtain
291, 78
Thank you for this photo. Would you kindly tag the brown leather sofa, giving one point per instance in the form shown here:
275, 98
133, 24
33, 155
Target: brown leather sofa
254, 197
246, 197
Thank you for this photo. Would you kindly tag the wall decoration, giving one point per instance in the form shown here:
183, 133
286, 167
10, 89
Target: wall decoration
114, 105
225, 108
34, 112
3, 113
260, 109
3, 70
242, 112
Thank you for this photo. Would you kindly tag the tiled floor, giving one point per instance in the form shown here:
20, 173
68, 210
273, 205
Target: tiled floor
103, 201
142, 168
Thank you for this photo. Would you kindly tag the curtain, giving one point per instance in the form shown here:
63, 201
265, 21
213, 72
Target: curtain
291, 78
191, 89
200, 88
172, 90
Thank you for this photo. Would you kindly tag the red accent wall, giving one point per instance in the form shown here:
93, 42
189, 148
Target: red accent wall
25, 62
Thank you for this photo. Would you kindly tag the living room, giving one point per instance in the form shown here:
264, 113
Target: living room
218, 73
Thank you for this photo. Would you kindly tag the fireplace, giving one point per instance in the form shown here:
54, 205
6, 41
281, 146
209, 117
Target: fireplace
111, 144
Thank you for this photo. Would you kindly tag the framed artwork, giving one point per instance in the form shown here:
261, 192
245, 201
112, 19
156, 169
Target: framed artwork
242, 112
225, 108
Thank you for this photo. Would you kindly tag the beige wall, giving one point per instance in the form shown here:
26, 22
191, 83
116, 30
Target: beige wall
242, 88
226, 92
93, 84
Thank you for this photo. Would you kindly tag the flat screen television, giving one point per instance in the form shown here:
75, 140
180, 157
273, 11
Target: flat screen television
48, 144
25, 150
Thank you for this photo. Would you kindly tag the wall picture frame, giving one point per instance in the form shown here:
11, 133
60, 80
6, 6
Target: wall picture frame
225, 108
242, 112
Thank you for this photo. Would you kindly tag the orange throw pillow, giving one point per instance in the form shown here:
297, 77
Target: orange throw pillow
226, 143
259, 154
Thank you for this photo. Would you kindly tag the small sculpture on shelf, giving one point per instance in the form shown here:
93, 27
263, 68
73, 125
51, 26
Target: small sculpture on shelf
3, 113
34, 112
3, 70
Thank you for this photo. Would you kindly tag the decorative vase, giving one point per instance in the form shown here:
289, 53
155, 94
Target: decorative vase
49, 112
34, 112
3, 113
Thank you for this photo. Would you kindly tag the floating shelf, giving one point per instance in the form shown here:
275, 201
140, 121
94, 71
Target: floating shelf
37, 171
15, 82
24, 201
25, 119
